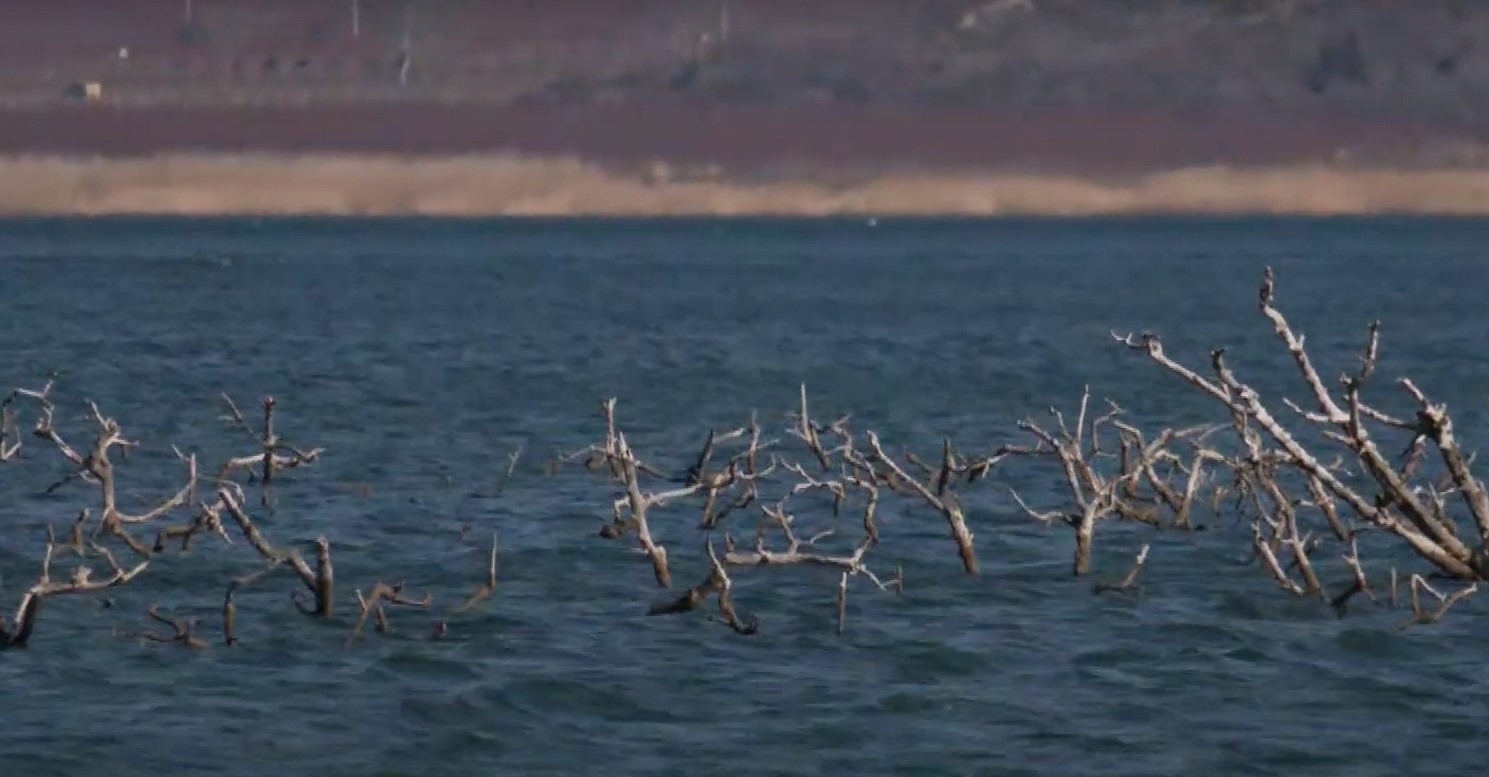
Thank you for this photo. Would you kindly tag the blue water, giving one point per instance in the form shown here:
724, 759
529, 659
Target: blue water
420, 353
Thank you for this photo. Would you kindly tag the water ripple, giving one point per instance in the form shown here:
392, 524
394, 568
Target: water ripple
419, 354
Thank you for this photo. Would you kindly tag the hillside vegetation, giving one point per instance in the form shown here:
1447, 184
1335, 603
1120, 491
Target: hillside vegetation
1422, 59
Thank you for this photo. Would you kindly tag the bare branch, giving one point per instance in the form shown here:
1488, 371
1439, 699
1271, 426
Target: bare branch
638, 504
319, 582
1421, 617
17, 633
490, 586
1359, 585
1128, 583
97, 467
273, 457
372, 604
181, 631
1424, 534
10, 436
947, 506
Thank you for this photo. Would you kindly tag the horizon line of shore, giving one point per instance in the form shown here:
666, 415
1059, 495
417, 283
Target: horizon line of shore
262, 184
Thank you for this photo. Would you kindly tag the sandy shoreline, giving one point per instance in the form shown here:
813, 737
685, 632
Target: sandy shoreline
499, 185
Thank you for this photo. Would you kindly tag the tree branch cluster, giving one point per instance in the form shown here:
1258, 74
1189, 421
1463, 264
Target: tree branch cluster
1281, 483
1312, 482
1251, 465
95, 464
1129, 477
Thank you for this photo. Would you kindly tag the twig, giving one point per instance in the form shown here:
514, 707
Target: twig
182, 632
490, 586
1128, 583
1421, 617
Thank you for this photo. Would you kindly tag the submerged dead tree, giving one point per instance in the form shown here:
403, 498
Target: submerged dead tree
838, 469
320, 582
372, 604
17, 631
10, 435
943, 501
96, 467
1314, 486
93, 465
1096, 494
1407, 506
274, 455
1129, 477
630, 509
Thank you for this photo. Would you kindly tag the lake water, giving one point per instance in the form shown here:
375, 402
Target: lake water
420, 353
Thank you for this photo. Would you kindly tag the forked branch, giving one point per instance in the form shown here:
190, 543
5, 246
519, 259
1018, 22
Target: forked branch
97, 467
274, 456
320, 582
372, 604
10, 436
17, 631
946, 504
1423, 617
1424, 526
1093, 494
181, 631
716, 584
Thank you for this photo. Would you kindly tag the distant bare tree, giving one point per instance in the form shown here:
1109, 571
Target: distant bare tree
405, 51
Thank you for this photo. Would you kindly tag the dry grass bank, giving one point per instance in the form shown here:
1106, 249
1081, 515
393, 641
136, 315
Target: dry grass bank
184, 184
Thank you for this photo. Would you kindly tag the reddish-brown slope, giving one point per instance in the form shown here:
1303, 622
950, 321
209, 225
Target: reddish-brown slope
739, 138
1084, 84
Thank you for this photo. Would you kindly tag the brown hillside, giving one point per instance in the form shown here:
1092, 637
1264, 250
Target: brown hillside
1094, 85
